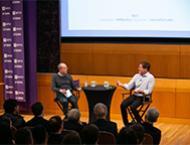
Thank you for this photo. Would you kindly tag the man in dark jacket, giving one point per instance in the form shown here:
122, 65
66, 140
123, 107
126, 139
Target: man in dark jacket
37, 110
62, 85
100, 111
150, 118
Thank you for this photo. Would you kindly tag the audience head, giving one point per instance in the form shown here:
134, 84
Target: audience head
37, 109
72, 138
55, 124
139, 132
24, 136
62, 67
11, 106
152, 115
127, 136
89, 134
5, 131
144, 67
74, 115
39, 134
100, 111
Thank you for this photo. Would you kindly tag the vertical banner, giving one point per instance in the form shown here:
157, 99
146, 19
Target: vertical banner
13, 49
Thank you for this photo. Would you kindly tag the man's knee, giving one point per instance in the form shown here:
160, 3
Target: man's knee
73, 101
133, 108
123, 105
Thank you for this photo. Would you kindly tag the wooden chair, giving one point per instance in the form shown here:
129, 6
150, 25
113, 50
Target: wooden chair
106, 138
148, 140
147, 100
76, 93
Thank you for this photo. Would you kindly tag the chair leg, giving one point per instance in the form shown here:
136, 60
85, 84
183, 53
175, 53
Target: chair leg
131, 114
144, 111
61, 107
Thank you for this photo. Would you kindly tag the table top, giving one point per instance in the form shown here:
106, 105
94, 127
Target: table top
99, 88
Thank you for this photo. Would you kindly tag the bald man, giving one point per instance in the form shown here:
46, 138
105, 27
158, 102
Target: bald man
62, 82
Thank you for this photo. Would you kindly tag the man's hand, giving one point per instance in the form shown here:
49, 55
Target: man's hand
118, 83
79, 89
63, 91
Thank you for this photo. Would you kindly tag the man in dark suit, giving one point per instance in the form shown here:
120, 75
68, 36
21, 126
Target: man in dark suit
150, 118
37, 110
100, 111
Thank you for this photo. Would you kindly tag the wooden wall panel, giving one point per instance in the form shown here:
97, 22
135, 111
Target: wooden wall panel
122, 59
164, 96
170, 96
183, 99
184, 61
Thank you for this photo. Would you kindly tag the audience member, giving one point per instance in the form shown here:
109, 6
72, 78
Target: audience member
89, 135
72, 138
139, 130
150, 118
11, 111
24, 136
127, 136
73, 121
37, 110
5, 131
40, 135
100, 111
55, 128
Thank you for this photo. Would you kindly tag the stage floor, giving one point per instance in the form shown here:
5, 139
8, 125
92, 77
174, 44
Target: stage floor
174, 131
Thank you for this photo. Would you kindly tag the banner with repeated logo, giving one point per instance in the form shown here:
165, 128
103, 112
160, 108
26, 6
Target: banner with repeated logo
13, 49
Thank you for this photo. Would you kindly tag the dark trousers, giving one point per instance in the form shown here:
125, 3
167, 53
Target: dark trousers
64, 101
134, 102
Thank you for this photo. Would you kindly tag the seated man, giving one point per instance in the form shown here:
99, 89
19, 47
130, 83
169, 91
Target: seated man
142, 83
62, 84
150, 118
100, 111
37, 110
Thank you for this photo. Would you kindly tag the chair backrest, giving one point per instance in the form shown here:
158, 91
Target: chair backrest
148, 140
106, 138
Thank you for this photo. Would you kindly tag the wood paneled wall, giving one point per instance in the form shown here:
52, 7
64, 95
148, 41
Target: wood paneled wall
168, 60
170, 96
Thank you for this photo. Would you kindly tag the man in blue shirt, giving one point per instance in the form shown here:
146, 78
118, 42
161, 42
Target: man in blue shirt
143, 84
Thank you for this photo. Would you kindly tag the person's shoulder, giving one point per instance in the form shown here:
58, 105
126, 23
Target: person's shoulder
148, 126
157, 130
150, 74
69, 75
136, 75
30, 122
113, 123
55, 75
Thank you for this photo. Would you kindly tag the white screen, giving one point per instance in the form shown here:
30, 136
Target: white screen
125, 18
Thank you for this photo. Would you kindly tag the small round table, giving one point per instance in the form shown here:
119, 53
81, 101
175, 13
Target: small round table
98, 94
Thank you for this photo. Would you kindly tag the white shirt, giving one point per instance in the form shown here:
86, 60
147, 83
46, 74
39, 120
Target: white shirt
144, 83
